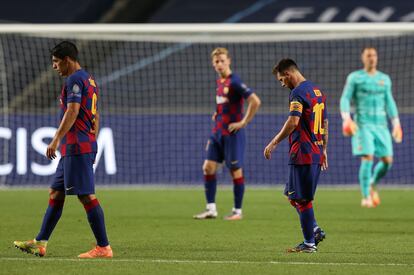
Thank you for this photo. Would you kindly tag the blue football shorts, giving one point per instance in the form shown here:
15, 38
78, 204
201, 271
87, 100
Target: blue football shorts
74, 175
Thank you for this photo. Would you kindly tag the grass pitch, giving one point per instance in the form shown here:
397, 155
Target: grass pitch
152, 232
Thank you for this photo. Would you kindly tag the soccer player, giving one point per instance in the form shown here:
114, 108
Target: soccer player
370, 91
227, 141
307, 128
76, 136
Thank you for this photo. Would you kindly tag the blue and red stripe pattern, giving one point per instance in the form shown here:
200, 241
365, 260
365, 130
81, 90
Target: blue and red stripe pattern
230, 95
306, 141
80, 87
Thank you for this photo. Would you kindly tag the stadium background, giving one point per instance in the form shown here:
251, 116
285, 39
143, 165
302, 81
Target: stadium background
157, 97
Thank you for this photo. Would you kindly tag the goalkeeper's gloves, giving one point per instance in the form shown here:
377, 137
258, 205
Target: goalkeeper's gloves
397, 132
349, 127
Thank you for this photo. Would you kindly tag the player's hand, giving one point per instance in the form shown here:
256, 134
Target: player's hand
349, 127
269, 149
324, 161
213, 117
397, 133
51, 149
234, 127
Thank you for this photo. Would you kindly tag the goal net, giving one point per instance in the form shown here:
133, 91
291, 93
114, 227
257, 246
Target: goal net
157, 94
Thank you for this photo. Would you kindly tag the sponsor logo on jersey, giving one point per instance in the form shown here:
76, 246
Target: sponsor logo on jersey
221, 99
226, 90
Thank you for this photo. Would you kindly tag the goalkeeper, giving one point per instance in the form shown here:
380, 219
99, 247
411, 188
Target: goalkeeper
370, 92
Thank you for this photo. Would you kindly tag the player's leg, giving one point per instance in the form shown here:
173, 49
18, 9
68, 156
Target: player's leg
300, 190
52, 215
79, 181
365, 177
38, 245
384, 151
363, 145
210, 187
381, 169
234, 158
214, 157
318, 232
238, 194
96, 221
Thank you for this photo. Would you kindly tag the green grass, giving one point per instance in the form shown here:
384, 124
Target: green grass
152, 232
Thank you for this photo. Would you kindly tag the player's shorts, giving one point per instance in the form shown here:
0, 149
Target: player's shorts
228, 148
302, 181
74, 175
372, 140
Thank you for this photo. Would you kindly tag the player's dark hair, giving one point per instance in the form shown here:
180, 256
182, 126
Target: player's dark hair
284, 65
367, 48
65, 48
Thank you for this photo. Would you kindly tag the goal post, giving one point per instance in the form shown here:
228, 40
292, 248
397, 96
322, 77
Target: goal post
157, 94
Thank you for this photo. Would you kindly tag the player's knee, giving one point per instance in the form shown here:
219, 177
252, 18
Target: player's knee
208, 169
293, 203
367, 158
303, 205
387, 160
236, 173
56, 195
85, 199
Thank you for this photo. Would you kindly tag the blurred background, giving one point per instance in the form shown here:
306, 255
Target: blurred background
211, 11
157, 86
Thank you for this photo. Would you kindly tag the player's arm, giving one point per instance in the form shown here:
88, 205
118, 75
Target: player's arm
349, 127
295, 112
289, 126
67, 122
325, 139
96, 124
392, 111
253, 105
213, 117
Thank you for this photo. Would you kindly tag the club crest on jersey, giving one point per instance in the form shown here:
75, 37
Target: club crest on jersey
381, 82
317, 92
226, 90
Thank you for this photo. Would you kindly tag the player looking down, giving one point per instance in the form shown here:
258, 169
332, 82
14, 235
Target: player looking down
307, 129
76, 136
227, 141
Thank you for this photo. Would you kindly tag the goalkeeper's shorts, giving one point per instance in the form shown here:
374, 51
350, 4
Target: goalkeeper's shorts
372, 140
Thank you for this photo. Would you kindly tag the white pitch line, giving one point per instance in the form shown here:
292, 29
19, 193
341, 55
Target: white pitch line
174, 261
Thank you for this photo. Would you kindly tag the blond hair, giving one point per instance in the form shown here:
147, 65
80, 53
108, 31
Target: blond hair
219, 51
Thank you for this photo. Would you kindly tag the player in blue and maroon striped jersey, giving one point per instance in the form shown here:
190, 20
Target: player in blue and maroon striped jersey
227, 141
77, 136
307, 128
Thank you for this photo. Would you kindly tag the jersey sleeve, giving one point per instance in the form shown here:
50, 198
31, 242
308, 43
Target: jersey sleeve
74, 86
241, 88
295, 104
391, 106
349, 89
